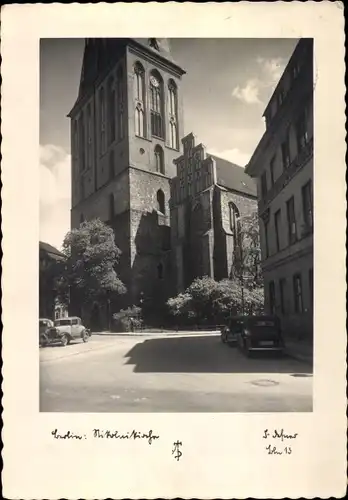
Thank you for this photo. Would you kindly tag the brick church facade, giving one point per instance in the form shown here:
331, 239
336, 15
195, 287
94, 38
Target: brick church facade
131, 170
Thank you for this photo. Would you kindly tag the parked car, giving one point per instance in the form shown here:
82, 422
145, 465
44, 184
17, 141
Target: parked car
230, 331
260, 333
44, 325
65, 330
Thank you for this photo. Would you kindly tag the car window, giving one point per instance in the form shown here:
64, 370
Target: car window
74, 322
62, 322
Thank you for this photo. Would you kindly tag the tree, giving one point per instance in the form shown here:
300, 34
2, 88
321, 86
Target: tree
89, 269
247, 262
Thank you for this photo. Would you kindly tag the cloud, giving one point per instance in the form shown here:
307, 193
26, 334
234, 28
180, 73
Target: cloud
249, 93
272, 70
55, 195
233, 155
258, 88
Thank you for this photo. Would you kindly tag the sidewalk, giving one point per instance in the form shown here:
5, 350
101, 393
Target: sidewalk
303, 351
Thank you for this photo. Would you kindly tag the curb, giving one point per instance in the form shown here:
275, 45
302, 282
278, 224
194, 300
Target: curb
147, 334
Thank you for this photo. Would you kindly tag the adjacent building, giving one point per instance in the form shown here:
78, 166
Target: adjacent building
49, 307
282, 164
208, 197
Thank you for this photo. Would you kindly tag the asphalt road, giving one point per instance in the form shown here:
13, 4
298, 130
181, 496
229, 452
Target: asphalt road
177, 373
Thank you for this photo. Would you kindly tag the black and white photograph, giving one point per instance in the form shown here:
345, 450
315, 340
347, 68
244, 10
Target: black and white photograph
173, 235
176, 225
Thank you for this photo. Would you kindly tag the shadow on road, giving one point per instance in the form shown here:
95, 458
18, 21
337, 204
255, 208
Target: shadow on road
205, 355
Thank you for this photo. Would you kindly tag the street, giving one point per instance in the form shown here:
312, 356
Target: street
169, 373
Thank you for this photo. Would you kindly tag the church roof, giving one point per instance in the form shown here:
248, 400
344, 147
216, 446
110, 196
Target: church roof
50, 250
231, 176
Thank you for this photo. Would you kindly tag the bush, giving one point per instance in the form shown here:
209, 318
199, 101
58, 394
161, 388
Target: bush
121, 321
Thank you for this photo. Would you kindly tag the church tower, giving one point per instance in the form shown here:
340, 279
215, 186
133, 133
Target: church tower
125, 129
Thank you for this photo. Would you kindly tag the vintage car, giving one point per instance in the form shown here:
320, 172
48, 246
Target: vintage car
65, 330
260, 333
230, 331
44, 325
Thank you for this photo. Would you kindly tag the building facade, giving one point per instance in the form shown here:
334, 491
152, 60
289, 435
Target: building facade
49, 307
208, 197
282, 164
125, 129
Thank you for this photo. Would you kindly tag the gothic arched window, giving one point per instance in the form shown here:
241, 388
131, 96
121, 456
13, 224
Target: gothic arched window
82, 163
161, 202
160, 271
235, 223
159, 159
120, 103
111, 165
172, 108
102, 121
111, 111
111, 206
139, 100
156, 104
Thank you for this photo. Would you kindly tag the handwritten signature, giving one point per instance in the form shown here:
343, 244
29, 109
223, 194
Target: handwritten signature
176, 450
278, 435
107, 434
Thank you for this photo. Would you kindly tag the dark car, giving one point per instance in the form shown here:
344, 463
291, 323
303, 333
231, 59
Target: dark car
229, 333
260, 333
44, 325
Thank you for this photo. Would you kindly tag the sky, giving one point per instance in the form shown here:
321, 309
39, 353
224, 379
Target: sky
226, 88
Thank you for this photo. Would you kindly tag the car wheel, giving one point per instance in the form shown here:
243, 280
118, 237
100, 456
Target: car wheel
64, 340
43, 341
85, 336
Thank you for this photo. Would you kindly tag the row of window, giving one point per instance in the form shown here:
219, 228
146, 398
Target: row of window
292, 230
158, 163
297, 287
282, 93
156, 105
160, 204
287, 156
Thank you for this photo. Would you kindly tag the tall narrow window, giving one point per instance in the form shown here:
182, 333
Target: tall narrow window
311, 287
139, 100
161, 202
235, 224
120, 104
272, 298
89, 137
82, 218
302, 130
298, 301
307, 205
266, 225
160, 271
156, 105
159, 160
82, 188
75, 147
111, 165
271, 169
286, 152
173, 127
292, 232
102, 121
82, 160
111, 206
277, 224
263, 185
111, 111
282, 288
